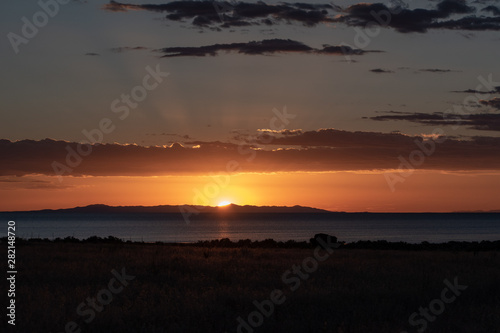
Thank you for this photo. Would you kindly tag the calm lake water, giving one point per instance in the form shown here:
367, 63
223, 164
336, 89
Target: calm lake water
412, 228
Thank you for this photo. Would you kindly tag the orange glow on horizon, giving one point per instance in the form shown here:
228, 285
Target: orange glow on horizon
430, 191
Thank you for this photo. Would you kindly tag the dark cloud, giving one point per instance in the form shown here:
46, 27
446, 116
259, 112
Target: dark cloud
333, 138
420, 20
477, 121
403, 20
115, 6
268, 46
495, 102
492, 9
321, 150
224, 14
484, 2
343, 50
181, 136
437, 70
92, 54
424, 70
128, 48
264, 47
380, 71
474, 91
473, 23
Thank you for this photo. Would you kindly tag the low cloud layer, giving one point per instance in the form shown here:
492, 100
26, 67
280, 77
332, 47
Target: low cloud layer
291, 150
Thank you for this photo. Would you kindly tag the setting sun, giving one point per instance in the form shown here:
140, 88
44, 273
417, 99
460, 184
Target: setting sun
223, 203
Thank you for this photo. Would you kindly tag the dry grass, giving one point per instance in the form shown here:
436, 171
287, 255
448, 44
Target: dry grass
195, 289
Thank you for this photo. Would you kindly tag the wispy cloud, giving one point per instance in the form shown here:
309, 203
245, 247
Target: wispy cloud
27, 183
477, 121
474, 91
128, 48
437, 70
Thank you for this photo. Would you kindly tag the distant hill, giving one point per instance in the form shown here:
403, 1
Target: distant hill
478, 211
232, 208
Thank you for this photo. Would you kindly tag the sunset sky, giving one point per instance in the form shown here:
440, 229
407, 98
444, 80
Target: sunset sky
382, 107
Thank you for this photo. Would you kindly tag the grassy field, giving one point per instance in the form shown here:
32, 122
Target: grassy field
197, 289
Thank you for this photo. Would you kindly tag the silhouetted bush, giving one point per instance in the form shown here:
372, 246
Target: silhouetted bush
270, 243
326, 239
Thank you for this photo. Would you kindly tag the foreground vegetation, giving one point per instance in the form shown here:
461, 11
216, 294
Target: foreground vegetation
205, 287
